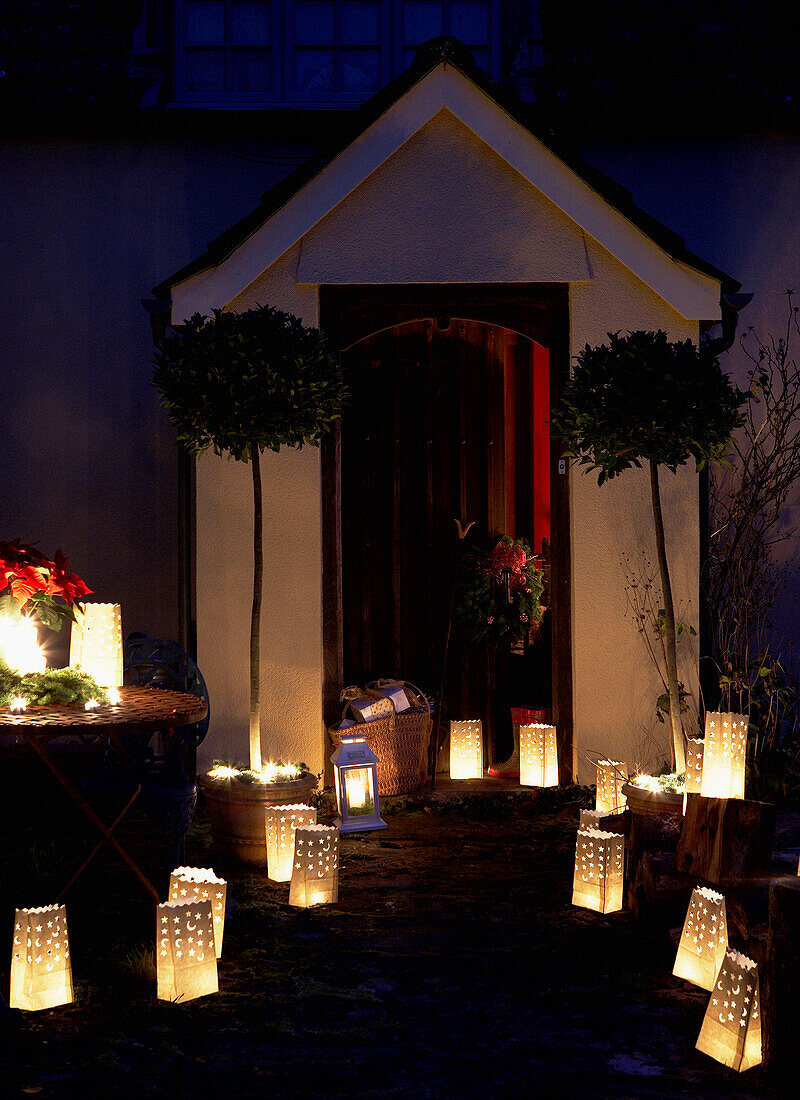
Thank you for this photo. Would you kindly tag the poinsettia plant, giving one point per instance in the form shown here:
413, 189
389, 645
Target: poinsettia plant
46, 589
498, 594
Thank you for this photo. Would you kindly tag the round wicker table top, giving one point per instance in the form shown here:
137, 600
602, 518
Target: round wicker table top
140, 708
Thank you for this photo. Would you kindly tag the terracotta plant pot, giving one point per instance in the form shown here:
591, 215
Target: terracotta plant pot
237, 809
641, 801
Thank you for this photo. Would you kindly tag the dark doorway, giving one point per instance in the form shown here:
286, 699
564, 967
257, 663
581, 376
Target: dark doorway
451, 388
448, 419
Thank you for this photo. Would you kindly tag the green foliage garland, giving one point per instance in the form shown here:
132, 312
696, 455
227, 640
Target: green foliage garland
53, 687
481, 608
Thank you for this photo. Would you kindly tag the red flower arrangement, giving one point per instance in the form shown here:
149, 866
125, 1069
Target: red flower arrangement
46, 588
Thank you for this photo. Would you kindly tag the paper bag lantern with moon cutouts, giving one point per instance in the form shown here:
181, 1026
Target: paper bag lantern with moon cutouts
315, 874
590, 819
186, 960
41, 971
611, 774
704, 939
538, 756
466, 749
281, 822
724, 753
96, 642
201, 882
694, 765
731, 1030
599, 866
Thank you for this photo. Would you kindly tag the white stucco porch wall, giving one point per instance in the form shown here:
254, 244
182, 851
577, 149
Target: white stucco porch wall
462, 214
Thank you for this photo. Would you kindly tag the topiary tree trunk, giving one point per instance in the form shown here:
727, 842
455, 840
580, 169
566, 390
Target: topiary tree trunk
255, 616
670, 636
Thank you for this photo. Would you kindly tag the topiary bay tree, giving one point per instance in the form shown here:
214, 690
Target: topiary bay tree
641, 399
239, 384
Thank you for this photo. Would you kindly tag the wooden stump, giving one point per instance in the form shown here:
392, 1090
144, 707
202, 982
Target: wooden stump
725, 840
781, 995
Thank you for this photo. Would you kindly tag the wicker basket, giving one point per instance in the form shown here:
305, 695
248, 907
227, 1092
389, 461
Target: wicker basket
400, 741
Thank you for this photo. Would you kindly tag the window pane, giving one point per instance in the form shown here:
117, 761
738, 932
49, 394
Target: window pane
251, 70
469, 20
422, 19
360, 22
205, 21
313, 71
251, 21
360, 70
205, 71
313, 22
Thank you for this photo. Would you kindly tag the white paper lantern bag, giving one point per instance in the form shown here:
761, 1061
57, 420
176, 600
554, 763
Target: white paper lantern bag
611, 775
704, 939
41, 971
724, 753
599, 869
466, 749
731, 1031
538, 756
315, 874
96, 642
281, 823
186, 960
201, 882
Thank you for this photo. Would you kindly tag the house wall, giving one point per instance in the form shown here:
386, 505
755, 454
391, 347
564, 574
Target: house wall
453, 210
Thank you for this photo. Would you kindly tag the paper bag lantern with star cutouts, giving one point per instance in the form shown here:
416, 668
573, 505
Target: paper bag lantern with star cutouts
315, 874
611, 774
201, 882
731, 1031
704, 939
538, 756
599, 867
41, 971
724, 753
694, 765
466, 749
96, 642
281, 823
186, 961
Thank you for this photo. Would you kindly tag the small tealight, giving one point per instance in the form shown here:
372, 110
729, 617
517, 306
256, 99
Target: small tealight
17, 704
90, 704
114, 696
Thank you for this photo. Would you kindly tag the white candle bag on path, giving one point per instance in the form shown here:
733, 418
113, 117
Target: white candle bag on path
281, 822
315, 875
201, 882
538, 756
466, 749
186, 961
731, 1030
724, 753
611, 774
704, 939
41, 971
599, 869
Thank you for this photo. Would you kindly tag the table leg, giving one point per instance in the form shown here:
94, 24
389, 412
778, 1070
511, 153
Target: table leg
87, 810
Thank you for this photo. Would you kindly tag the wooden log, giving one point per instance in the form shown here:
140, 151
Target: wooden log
725, 840
781, 992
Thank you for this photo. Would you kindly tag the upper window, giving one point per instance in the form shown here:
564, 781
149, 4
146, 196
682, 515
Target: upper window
315, 53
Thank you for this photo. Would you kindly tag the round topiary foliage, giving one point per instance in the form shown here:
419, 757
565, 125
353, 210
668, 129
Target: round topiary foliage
237, 381
641, 398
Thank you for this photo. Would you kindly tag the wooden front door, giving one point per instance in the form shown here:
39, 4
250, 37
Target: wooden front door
446, 420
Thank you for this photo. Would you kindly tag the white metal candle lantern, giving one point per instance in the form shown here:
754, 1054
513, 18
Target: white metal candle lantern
186, 959
281, 822
466, 749
704, 939
599, 864
315, 874
694, 765
731, 1031
724, 755
96, 642
611, 775
355, 771
41, 971
538, 756
201, 882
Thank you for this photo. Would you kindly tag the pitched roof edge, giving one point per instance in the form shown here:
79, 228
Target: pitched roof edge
435, 52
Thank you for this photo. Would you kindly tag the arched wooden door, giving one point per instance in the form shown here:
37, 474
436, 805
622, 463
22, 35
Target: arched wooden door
445, 420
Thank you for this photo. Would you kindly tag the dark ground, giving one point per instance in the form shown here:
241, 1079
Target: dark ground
453, 966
